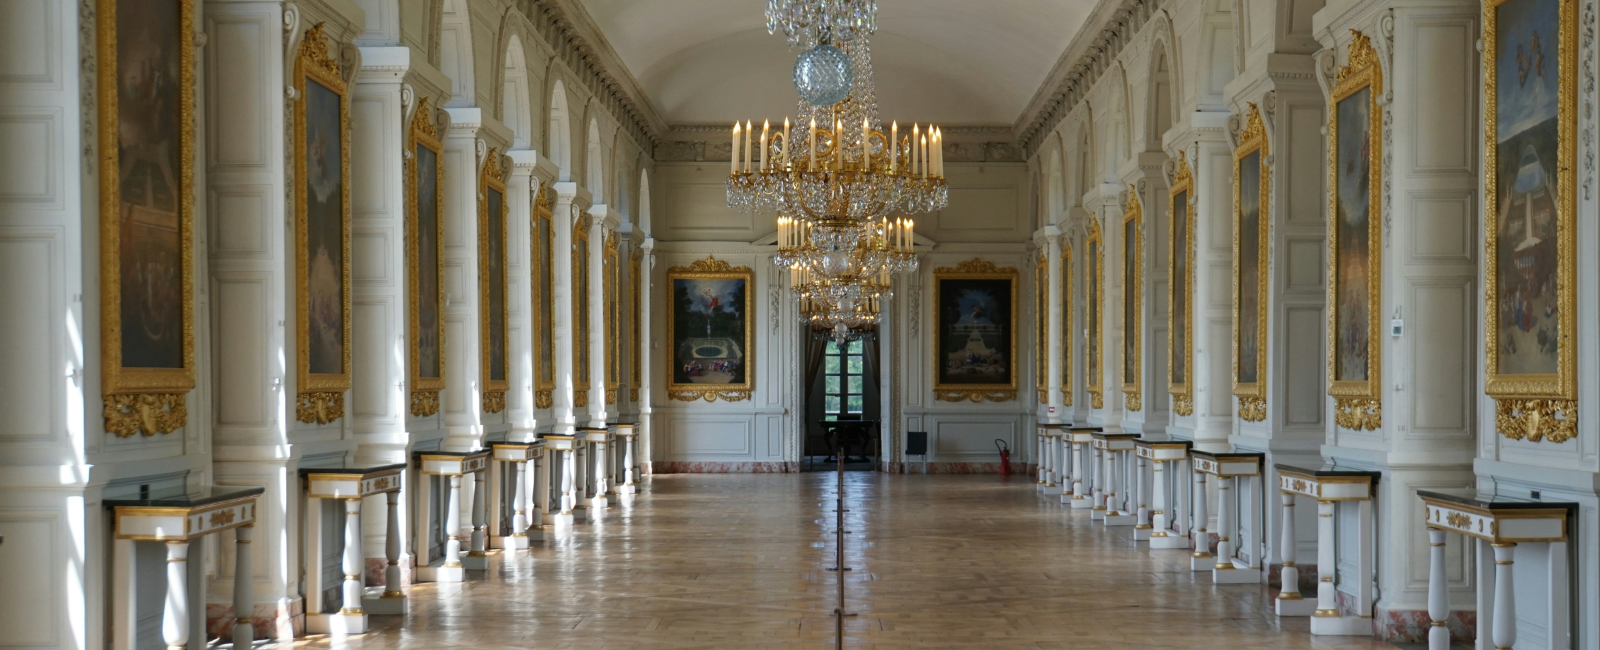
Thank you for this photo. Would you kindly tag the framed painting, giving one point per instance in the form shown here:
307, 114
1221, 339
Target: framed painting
1093, 266
425, 261
1041, 308
493, 310
613, 327
975, 330
580, 313
1355, 232
1067, 336
1132, 294
1251, 182
710, 329
1529, 65
1180, 273
322, 231
635, 336
544, 304
145, 96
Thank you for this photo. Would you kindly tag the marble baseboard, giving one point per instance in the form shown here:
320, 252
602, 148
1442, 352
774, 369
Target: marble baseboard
376, 566
915, 467
1412, 625
270, 622
684, 467
1307, 580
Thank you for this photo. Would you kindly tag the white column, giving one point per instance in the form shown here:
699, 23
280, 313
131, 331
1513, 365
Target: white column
597, 319
175, 613
391, 548
647, 380
244, 603
1327, 558
462, 403
1438, 591
353, 558
1202, 540
1505, 602
563, 217
1056, 410
452, 524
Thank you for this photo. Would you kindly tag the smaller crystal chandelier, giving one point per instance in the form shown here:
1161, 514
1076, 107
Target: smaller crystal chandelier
830, 302
808, 23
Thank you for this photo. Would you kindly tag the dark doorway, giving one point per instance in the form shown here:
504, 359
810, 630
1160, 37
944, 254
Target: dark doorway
842, 386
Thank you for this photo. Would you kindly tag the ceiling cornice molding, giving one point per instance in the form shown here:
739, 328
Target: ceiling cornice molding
580, 44
1109, 27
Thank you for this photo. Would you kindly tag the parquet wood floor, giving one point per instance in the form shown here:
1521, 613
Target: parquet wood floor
942, 561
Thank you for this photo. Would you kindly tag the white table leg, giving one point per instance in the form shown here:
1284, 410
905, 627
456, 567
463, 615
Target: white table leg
1438, 592
1226, 526
1080, 487
1064, 460
519, 503
244, 602
352, 559
568, 468
175, 614
1141, 524
1201, 560
1505, 605
1327, 598
1560, 628
391, 548
598, 499
1097, 486
627, 465
1161, 522
452, 525
1038, 453
1484, 594
543, 472
1289, 601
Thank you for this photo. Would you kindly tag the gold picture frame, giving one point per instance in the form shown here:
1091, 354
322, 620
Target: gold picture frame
1093, 267
425, 281
1041, 305
1067, 336
544, 304
140, 231
613, 332
1132, 295
635, 339
1535, 387
320, 397
580, 312
702, 275
983, 276
1250, 208
494, 308
1355, 241
1180, 290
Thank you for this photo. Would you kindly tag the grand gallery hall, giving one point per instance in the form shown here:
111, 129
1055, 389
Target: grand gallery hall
672, 324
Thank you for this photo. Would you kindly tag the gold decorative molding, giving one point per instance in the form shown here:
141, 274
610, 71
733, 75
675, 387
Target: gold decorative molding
710, 265
1358, 414
1252, 141
633, 395
494, 401
1183, 404
314, 52
611, 396
1097, 400
1133, 401
544, 399
146, 413
1094, 357
542, 248
1132, 297
709, 395
424, 402
1554, 420
975, 265
1252, 409
319, 407
580, 398
1005, 395
1067, 335
422, 121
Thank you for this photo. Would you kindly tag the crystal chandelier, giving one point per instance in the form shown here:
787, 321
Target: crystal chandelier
828, 302
808, 23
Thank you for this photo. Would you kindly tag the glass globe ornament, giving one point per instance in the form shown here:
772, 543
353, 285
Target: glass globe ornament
824, 75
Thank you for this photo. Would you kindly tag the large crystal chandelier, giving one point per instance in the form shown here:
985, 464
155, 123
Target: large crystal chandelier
808, 23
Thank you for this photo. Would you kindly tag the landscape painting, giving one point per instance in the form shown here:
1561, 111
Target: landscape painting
324, 230
1353, 299
430, 361
710, 328
975, 331
1247, 278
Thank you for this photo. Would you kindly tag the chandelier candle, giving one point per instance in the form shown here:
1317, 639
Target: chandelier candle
764, 127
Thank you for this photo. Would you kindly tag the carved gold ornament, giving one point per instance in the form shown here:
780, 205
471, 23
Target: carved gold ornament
1097, 400
1132, 295
544, 399
1297, 485
712, 268
1181, 241
1534, 406
633, 395
1358, 414
580, 397
1252, 140
321, 395
142, 399
975, 269
424, 402
494, 401
424, 135
611, 396
1357, 403
1458, 520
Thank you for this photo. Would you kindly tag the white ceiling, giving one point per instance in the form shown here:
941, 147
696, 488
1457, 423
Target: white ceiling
953, 62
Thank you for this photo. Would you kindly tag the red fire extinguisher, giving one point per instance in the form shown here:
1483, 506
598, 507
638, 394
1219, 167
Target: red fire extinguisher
1005, 456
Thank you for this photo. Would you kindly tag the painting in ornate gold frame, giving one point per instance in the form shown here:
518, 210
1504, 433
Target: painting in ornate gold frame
613, 339
580, 313
1093, 266
709, 317
425, 261
322, 231
544, 304
1180, 290
1251, 216
1132, 295
1067, 336
975, 332
1529, 70
1355, 235
493, 308
1041, 307
635, 337
145, 93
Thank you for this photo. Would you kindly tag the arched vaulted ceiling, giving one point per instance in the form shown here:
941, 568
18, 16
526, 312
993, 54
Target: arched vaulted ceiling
967, 62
